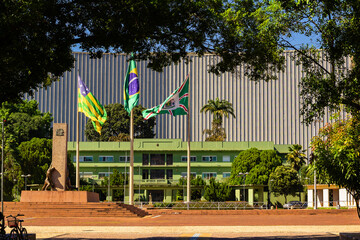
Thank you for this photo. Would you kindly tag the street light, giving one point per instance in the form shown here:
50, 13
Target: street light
2, 165
26, 177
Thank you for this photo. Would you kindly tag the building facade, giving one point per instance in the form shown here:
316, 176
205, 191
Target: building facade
265, 111
160, 163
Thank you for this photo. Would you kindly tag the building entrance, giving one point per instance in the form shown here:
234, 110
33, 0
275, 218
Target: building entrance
157, 195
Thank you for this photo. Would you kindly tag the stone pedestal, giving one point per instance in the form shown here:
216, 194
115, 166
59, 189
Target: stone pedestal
59, 155
59, 196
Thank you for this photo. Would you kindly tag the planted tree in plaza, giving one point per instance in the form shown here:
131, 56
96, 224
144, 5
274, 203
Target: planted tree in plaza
22, 153
116, 128
195, 193
219, 109
217, 192
337, 155
285, 181
257, 164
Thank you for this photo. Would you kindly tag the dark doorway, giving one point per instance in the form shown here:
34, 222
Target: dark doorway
156, 195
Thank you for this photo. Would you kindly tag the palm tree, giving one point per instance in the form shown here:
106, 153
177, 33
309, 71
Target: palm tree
219, 109
296, 157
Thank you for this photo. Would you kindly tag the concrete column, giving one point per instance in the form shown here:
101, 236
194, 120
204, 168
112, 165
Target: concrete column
237, 194
250, 194
343, 197
310, 197
326, 197
168, 195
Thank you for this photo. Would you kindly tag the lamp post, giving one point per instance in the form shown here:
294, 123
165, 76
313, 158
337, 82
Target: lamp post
26, 177
2, 165
244, 175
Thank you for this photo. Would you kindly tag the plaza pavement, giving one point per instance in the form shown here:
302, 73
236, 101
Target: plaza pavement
260, 225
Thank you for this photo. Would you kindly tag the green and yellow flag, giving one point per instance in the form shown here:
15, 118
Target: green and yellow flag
90, 106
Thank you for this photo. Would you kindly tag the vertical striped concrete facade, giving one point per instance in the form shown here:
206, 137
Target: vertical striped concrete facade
264, 111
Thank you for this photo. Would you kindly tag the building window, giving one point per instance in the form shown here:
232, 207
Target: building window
124, 158
169, 174
208, 175
104, 174
184, 158
106, 158
169, 159
157, 159
192, 174
145, 159
226, 175
84, 158
226, 158
209, 158
157, 174
145, 174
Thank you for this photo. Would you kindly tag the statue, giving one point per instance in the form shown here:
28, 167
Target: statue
48, 180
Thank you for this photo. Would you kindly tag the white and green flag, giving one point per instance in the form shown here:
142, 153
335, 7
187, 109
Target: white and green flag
175, 104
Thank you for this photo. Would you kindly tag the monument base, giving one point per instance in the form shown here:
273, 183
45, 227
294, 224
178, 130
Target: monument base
59, 196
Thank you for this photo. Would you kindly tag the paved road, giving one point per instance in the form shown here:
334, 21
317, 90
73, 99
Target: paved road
256, 227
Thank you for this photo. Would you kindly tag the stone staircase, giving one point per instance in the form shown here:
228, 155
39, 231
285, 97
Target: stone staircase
43, 209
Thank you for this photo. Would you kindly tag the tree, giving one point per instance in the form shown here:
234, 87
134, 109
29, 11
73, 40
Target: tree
23, 122
117, 126
195, 193
261, 30
337, 151
217, 192
258, 164
37, 36
285, 181
296, 157
219, 109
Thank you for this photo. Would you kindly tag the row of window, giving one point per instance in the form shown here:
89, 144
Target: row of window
158, 174
153, 159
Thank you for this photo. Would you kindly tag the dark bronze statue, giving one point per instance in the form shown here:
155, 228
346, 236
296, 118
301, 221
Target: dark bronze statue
48, 180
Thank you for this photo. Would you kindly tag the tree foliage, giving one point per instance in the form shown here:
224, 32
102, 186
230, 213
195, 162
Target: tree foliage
37, 36
337, 155
217, 192
218, 109
285, 181
261, 30
195, 193
117, 126
23, 122
258, 164
296, 157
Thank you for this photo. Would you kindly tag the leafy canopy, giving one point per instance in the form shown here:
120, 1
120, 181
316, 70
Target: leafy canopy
117, 126
217, 192
337, 155
296, 157
285, 181
258, 164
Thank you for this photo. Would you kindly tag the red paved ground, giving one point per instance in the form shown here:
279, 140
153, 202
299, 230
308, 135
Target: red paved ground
248, 218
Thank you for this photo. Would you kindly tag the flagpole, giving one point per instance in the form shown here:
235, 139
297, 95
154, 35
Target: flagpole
188, 153
131, 173
77, 143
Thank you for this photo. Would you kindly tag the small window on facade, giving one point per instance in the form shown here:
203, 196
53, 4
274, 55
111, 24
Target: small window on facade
209, 158
145, 174
124, 158
106, 158
84, 158
157, 159
226, 158
145, 159
192, 158
208, 175
226, 175
169, 159
169, 174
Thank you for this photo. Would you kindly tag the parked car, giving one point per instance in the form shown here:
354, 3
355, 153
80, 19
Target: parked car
295, 204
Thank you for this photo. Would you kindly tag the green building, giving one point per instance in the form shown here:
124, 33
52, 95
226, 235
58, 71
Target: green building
160, 163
